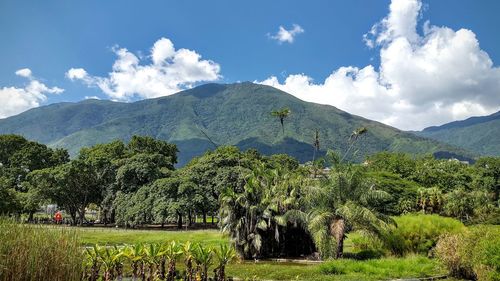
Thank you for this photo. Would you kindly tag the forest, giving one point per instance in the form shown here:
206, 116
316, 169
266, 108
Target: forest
269, 206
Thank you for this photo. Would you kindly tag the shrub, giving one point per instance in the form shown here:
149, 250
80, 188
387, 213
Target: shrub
472, 254
365, 246
30, 252
418, 233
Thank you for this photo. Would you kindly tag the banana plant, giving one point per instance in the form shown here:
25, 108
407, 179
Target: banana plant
203, 259
154, 255
93, 262
172, 252
223, 255
112, 260
135, 254
187, 250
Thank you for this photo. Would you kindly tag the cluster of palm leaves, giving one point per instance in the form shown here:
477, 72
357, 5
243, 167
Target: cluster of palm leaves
157, 262
256, 218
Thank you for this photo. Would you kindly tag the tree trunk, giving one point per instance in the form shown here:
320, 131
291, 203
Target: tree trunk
213, 219
179, 220
204, 218
72, 214
337, 229
81, 216
190, 219
30, 216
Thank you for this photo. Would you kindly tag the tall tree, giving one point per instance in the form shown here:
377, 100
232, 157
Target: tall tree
342, 202
282, 114
72, 186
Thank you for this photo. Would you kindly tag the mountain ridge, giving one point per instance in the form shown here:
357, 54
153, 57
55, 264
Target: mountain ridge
226, 114
479, 134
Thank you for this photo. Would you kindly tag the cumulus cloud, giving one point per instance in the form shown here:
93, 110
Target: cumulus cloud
24, 72
169, 71
77, 74
16, 100
424, 79
287, 36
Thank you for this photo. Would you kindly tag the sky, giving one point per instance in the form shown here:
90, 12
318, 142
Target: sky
407, 63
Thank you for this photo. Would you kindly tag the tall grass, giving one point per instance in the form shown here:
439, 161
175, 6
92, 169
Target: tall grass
418, 233
379, 269
472, 254
29, 252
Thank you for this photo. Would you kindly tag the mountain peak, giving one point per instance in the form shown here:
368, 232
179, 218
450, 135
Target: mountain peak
221, 114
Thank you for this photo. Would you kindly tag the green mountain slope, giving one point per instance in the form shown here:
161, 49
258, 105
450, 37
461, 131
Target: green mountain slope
234, 114
477, 134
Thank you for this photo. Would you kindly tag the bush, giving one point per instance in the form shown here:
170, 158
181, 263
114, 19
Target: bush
418, 233
472, 254
30, 252
365, 246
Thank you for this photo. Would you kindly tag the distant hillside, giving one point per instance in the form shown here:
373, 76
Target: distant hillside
233, 114
480, 135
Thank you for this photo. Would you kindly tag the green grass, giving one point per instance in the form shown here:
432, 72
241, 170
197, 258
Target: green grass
110, 236
346, 269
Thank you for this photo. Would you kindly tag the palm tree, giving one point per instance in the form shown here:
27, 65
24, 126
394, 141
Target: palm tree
203, 258
344, 201
281, 115
256, 216
224, 255
315, 144
430, 200
353, 138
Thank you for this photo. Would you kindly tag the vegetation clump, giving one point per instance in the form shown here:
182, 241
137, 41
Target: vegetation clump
472, 254
30, 252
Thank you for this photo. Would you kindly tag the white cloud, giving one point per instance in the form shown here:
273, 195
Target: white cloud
170, 71
424, 79
16, 100
77, 74
25, 72
283, 35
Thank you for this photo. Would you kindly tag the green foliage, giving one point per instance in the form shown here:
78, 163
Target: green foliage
366, 246
38, 253
378, 269
346, 200
418, 233
19, 157
472, 254
403, 192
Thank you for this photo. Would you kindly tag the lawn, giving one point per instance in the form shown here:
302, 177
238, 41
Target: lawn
118, 236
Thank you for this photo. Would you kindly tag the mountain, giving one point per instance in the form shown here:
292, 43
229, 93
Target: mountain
232, 114
480, 135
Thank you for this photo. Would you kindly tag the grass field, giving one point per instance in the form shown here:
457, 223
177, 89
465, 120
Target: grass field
112, 236
379, 269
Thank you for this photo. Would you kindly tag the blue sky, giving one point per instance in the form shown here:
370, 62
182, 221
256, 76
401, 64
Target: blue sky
51, 37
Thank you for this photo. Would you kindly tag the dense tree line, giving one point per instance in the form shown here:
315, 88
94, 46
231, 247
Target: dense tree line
269, 205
